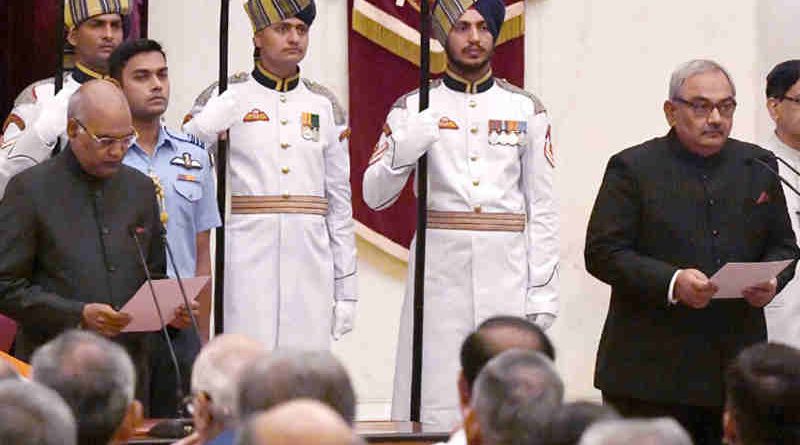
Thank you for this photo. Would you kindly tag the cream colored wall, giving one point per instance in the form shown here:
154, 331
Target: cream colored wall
602, 70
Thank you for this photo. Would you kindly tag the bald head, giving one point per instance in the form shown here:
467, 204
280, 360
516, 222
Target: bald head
297, 422
100, 127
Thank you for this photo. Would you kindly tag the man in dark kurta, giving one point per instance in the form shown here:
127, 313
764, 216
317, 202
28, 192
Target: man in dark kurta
670, 213
67, 256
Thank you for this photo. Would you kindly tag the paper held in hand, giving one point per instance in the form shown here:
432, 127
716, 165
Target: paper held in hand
142, 309
733, 278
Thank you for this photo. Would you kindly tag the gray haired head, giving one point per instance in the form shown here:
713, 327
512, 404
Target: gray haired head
661, 431
287, 375
515, 397
217, 370
95, 376
32, 414
692, 68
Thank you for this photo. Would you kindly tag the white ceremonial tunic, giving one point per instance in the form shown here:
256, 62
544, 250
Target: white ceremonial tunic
493, 156
783, 313
283, 271
20, 146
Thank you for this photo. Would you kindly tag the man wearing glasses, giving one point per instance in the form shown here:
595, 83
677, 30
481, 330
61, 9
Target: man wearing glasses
68, 256
783, 104
669, 214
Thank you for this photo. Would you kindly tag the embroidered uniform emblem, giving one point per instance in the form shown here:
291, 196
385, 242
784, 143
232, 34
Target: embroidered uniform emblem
762, 198
256, 115
186, 161
549, 154
445, 123
14, 119
310, 127
510, 133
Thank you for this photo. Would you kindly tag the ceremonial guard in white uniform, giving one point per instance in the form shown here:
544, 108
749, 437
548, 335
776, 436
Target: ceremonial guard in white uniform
783, 104
39, 116
492, 240
290, 251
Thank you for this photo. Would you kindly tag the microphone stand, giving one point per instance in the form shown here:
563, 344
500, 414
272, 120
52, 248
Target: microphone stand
171, 257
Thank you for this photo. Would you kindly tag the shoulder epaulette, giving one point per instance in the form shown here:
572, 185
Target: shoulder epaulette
401, 102
508, 86
204, 97
28, 95
184, 137
339, 115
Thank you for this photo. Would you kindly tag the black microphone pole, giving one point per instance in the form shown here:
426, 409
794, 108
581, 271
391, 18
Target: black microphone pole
135, 231
186, 304
776, 174
222, 167
422, 217
60, 36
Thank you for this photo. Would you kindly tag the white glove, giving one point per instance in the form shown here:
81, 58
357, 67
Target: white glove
219, 114
544, 320
420, 133
344, 317
52, 121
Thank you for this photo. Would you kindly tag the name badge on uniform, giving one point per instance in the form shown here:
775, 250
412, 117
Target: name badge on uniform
189, 178
508, 133
310, 127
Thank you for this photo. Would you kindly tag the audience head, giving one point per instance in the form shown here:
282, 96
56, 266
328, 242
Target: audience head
514, 399
100, 127
140, 67
32, 414
571, 420
763, 396
783, 101
702, 100
215, 380
662, 431
95, 376
493, 336
288, 375
297, 422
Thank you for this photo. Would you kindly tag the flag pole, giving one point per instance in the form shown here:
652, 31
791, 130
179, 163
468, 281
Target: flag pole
222, 167
60, 37
422, 214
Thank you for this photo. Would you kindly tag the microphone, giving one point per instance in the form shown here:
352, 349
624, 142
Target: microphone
171, 258
135, 232
764, 164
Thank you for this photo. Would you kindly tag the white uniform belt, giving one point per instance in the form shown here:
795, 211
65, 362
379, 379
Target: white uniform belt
492, 222
310, 205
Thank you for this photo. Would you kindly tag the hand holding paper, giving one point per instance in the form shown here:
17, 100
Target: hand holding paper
761, 294
694, 289
142, 309
753, 281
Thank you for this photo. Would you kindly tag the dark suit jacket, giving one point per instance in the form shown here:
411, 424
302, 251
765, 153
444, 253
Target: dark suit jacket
661, 208
65, 241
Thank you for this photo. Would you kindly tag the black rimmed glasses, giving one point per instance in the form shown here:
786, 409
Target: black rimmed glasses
703, 108
107, 142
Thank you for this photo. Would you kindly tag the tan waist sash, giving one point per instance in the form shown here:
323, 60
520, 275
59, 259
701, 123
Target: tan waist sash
492, 222
310, 205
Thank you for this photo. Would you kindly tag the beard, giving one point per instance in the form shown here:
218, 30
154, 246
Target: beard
471, 68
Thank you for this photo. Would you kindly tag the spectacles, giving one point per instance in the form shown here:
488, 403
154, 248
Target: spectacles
796, 100
704, 108
107, 142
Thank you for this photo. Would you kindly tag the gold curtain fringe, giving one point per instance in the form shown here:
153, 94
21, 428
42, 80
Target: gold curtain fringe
512, 29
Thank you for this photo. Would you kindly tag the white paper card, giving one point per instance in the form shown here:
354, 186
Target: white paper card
143, 311
733, 278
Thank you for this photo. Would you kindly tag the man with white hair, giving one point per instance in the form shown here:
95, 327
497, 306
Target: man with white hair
663, 431
669, 214
96, 378
297, 422
215, 379
32, 414
514, 398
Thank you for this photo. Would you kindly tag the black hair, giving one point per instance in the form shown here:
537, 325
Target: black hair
127, 50
478, 349
782, 78
763, 392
